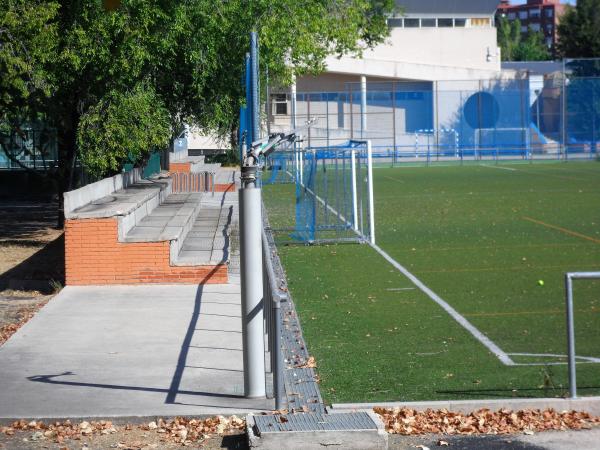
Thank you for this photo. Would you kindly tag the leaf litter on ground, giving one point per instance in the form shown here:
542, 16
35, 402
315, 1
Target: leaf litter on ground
179, 430
408, 421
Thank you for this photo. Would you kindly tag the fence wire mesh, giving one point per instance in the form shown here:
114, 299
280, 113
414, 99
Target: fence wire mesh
318, 195
499, 119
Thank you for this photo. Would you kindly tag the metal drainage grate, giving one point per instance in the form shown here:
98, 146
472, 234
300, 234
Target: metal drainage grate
356, 421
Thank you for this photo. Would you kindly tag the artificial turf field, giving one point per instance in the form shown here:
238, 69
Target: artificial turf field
481, 237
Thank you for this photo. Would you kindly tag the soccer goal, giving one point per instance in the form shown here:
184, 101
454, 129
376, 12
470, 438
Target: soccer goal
279, 168
334, 194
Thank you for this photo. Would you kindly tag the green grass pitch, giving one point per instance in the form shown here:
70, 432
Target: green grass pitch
481, 237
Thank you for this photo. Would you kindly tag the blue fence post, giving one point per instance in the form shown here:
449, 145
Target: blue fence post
255, 83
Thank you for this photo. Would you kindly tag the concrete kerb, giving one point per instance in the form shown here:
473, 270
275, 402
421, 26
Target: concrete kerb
94, 191
308, 439
590, 405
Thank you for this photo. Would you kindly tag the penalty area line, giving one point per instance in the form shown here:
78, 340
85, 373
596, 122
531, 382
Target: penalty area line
482, 338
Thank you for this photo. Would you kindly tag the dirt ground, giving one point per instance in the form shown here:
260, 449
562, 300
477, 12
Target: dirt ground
123, 439
31, 260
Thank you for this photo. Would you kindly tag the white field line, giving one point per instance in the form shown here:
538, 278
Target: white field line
585, 359
498, 167
491, 346
482, 338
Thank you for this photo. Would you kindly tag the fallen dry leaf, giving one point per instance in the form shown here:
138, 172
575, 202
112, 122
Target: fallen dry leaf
310, 363
24, 314
408, 421
179, 430
442, 443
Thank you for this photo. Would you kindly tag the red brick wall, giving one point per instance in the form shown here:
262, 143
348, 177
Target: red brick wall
180, 167
93, 255
229, 187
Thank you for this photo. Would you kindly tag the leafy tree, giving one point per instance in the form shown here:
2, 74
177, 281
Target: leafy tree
515, 48
579, 30
509, 38
532, 48
131, 74
121, 126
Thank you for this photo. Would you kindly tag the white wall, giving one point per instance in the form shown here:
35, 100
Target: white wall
428, 54
197, 140
456, 47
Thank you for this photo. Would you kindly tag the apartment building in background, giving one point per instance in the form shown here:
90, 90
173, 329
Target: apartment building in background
537, 15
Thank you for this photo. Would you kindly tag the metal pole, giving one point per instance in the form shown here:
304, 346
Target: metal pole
394, 121
564, 112
570, 337
249, 116
569, 277
251, 277
363, 106
370, 184
293, 126
354, 193
255, 82
278, 383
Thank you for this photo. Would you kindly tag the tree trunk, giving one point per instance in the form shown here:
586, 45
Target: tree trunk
67, 150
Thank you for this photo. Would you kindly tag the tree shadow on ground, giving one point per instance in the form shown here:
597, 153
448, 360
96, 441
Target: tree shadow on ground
26, 220
42, 271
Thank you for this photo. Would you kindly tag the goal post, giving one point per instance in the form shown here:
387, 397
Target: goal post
335, 195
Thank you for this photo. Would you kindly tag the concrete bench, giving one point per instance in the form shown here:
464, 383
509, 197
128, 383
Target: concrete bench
132, 234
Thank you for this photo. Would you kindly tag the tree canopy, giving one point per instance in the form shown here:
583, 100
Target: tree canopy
579, 30
118, 82
514, 48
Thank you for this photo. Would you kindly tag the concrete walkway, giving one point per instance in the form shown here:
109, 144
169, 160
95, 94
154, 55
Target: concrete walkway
128, 351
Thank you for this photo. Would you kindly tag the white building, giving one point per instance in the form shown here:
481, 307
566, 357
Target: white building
439, 58
431, 40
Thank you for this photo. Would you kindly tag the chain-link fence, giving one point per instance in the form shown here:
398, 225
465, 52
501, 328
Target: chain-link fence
522, 118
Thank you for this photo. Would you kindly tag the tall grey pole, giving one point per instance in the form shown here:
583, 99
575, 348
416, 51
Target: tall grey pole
569, 277
570, 337
251, 266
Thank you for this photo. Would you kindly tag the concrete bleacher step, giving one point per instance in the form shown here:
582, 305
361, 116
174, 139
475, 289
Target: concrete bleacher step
171, 220
127, 230
208, 241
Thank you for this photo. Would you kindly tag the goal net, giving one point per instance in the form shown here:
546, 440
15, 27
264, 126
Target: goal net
334, 194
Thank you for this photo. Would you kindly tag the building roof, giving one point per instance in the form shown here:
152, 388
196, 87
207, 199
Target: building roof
534, 67
482, 7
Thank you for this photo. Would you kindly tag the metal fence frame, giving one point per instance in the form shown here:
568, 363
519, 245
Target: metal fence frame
193, 182
272, 298
569, 277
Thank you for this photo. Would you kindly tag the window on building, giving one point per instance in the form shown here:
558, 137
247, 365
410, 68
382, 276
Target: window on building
411, 23
460, 22
523, 29
549, 12
395, 23
534, 26
523, 14
512, 15
445, 23
535, 13
480, 22
549, 28
280, 104
428, 23
549, 42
